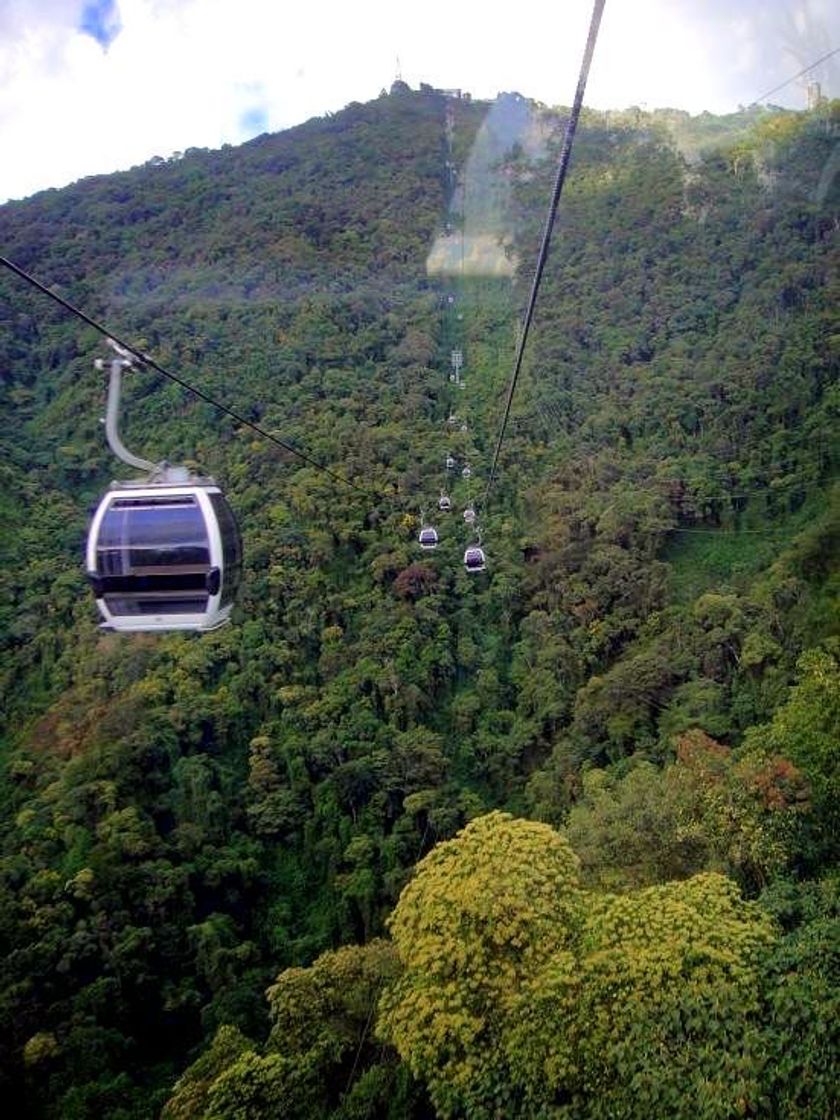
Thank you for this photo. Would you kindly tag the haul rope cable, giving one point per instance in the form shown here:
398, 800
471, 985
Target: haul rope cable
813, 66
565, 154
144, 359
564, 159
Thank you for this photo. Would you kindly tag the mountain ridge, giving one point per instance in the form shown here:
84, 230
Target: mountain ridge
183, 818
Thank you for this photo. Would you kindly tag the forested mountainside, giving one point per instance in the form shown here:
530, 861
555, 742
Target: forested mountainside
557, 839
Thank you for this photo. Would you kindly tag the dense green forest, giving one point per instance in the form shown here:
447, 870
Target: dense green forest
558, 839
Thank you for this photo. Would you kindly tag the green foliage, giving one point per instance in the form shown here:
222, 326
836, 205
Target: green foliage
189, 1099
183, 818
321, 1058
806, 729
737, 812
662, 1010
483, 914
801, 1036
526, 996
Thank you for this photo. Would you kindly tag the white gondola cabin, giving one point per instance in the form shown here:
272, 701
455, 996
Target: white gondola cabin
474, 559
164, 555
428, 537
444, 503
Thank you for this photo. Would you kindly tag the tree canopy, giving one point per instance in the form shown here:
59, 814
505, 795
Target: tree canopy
646, 670
524, 995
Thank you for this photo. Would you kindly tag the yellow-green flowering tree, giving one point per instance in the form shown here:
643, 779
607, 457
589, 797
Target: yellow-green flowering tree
524, 995
485, 913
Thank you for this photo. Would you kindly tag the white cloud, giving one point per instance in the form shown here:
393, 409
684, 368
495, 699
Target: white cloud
193, 73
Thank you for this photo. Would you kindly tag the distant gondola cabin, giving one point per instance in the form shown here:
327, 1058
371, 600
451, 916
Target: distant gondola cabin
474, 559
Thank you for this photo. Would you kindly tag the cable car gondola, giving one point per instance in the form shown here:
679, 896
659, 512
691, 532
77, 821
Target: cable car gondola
474, 559
444, 503
450, 463
164, 555
469, 515
428, 537
164, 552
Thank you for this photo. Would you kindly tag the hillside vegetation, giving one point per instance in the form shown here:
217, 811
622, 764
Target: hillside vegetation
555, 840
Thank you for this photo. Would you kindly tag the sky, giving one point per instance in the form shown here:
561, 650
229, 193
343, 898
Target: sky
95, 86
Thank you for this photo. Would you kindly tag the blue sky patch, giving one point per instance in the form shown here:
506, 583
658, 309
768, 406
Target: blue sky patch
101, 20
254, 121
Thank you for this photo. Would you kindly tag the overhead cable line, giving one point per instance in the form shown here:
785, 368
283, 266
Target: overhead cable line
145, 360
565, 154
721, 532
813, 66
